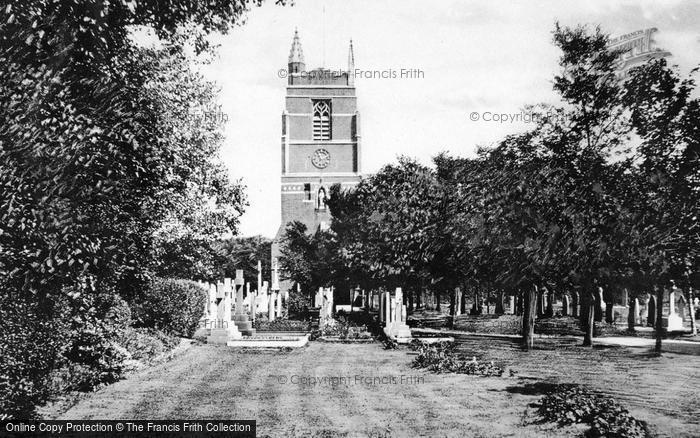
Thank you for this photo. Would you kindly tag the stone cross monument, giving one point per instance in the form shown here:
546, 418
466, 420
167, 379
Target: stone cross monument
241, 317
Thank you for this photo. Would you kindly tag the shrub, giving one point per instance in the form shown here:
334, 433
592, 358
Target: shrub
263, 324
94, 350
31, 348
569, 404
342, 329
70, 343
174, 306
441, 358
144, 344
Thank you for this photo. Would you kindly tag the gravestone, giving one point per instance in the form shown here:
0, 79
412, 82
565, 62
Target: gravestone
223, 330
395, 317
318, 298
565, 305
637, 319
274, 294
672, 321
241, 318
326, 312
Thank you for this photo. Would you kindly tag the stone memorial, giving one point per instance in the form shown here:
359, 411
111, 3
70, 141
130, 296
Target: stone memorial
672, 321
394, 318
326, 312
241, 318
223, 330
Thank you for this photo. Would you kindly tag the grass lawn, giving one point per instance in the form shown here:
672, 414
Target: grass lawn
277, 389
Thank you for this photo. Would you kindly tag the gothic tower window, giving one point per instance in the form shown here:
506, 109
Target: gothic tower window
322, 119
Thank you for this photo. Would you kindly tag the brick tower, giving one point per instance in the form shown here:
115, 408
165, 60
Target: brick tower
320, 142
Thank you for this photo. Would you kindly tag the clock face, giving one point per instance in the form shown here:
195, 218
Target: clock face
321, 158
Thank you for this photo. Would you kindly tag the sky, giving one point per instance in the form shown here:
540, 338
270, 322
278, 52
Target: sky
480, 57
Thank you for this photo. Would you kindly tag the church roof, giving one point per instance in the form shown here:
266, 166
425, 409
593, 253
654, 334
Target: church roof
295, 53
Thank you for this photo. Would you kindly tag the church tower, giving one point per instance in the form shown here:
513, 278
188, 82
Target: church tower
320, 141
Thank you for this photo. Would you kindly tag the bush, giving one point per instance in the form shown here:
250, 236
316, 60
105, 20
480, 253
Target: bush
171, 305
144, 344
569, 404
263, 324
342, 329
31, 348
94, 351
441, 358
48, 348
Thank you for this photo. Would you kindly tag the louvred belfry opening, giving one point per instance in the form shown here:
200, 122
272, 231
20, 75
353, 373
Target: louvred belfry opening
322, 120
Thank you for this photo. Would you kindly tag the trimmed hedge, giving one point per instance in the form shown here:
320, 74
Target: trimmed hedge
171, 305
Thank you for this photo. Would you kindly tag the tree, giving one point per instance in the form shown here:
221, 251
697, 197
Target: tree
387, 227
93, 158
664, 231
244, 253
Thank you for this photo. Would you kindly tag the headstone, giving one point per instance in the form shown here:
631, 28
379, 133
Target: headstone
212, 303
395, 326
327, 305
263, 298
271, 305
318, 299
512, 305
637, 319
279, 305
223, 330
241, 317
672, 321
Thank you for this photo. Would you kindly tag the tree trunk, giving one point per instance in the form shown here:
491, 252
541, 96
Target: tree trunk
632, 311
691, 309
437, 300
519, 303
651, 311
598, 304
574, 304
549, 313
453, 307
659, 318
588, 313
540, 300
499, 303
529, 314
463, 302
410, 301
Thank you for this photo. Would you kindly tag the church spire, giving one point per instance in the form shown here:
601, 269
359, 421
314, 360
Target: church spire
351, 65
295, 53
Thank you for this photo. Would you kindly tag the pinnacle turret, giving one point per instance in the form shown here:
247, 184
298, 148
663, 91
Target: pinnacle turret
295, 53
